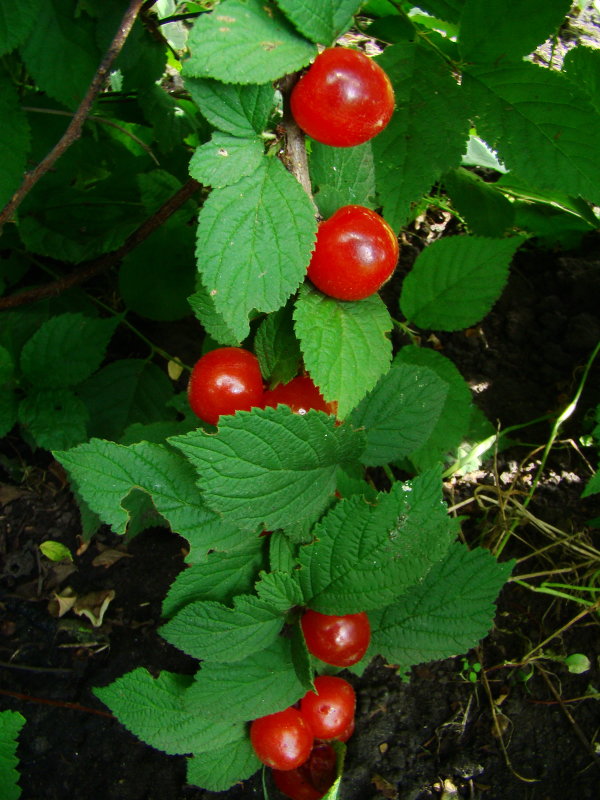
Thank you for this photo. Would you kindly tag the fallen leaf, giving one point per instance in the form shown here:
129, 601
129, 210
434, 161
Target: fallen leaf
109, 557
94, 605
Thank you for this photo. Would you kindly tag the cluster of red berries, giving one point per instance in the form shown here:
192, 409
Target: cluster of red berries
229, 379
343, 100
294, 742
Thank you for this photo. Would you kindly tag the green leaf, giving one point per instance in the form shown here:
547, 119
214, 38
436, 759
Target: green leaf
155, 710
61, 52
427, 133
593, 485
254, 243
66, 349
455, 281
11, 723
365, 555
446, 614
262, 683
269, 467
14, 138
479, 155
233, 108
321, 21
124, 392
453, 422
520, 103
55, 551
156, 278
167, 116
105, 473
345, 344
343, 175
214, 632
582, 66
226, 159
16, 21
219, 769
203, 306
486, 211
400, 413
220, 577
277, 348
448, 10
513, 35
245, 42
8, 399
55, 418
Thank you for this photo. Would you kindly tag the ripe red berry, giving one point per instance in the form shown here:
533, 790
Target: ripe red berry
282, 740
300, 394
330, 710
355, 253
313, 778
224, 381
337, 640
344, 98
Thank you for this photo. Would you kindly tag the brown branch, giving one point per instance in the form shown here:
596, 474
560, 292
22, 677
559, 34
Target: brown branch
73, 131
108, 260
295, 156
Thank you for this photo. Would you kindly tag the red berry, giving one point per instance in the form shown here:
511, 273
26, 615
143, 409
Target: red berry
337, 640
224, 381
330, 710
282, 740
300, 394
313, 778
355, 253
344, 98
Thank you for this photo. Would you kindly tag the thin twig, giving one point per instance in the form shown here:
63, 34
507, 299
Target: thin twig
295, 156
74, 128
108, 260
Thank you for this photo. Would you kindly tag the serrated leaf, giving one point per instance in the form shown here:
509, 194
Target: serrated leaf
592, 486
343, 176
260, 684
16, 20
446, 614
124, 392
11, 723
321, 21
219, 769
233, 108
345, 346
61, 52
520, 103
220, 577
270, 468
281, 553
277, 348
537, 20
226, 159
399, 415
155, 710
365, 555
14, 140
486, 211
65, 350
448, 10
582, 66
214, 632
427, 133
455, 281
156, 278
478, 154
279, 589
245, 42
105, 473
203, 306
54, 418
254, 243
453, 422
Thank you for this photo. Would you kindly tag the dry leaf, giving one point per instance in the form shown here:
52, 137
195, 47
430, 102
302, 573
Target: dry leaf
106, 558
94, 605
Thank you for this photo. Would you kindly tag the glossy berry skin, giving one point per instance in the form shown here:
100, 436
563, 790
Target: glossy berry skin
224, 381
337, 640
330, 710
355, 253
344, 98
300, 394
313, 778
282, 740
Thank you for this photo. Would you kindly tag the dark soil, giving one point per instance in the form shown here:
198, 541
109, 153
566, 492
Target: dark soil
437, 735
